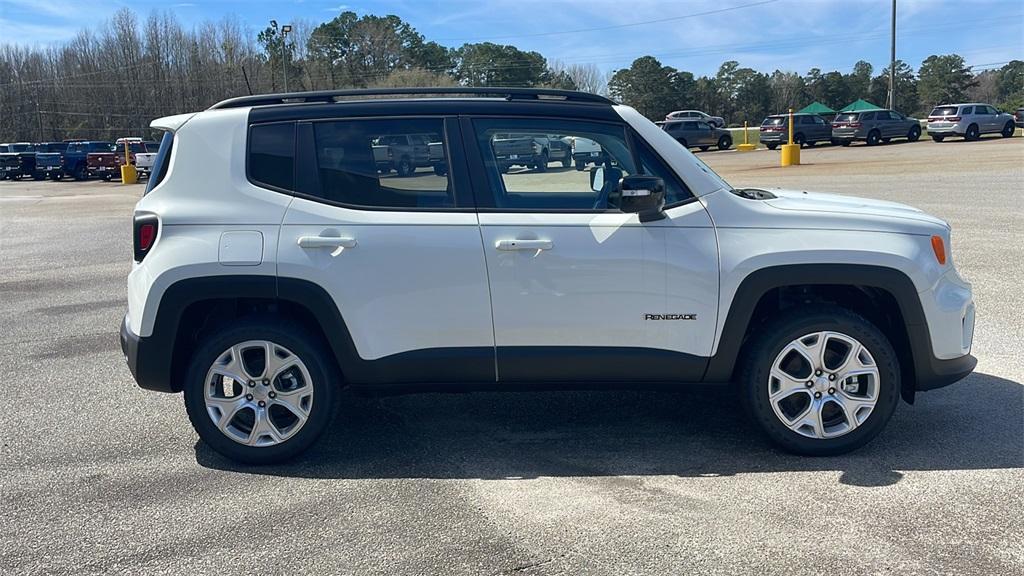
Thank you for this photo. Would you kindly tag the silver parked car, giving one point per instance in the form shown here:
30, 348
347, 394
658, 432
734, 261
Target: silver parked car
698, 134
716, 121
969, 120
874, 126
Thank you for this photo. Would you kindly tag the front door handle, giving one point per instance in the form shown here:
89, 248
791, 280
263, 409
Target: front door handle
326, 242
524, 245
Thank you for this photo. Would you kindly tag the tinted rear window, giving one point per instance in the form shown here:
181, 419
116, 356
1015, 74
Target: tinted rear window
847, 117
774, 121
161, 162
272, 155
943, 111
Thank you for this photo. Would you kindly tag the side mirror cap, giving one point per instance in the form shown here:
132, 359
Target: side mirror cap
642, 195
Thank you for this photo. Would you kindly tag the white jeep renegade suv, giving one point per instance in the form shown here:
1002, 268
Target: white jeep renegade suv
276, 262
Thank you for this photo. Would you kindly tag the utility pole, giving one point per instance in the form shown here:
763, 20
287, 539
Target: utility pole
39, 119
892, 61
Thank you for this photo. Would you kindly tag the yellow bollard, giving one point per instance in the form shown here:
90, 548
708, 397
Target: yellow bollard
128, 173
790, 152
746, 146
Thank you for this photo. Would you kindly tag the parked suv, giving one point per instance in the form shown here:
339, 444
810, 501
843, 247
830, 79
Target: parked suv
716, 121
874, 126
263, 284
696, 133
969, 121
808, 130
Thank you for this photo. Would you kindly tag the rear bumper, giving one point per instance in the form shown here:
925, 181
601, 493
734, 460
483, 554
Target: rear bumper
148, 361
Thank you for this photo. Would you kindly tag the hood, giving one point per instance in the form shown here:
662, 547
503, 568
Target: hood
797, 200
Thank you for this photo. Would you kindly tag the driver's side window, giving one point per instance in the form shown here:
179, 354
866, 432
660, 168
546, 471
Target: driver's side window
530, 169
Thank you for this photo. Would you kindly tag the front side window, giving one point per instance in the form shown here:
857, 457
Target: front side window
523, 175
383, 163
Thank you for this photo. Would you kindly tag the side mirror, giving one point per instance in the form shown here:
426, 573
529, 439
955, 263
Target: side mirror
597, 179
642, 195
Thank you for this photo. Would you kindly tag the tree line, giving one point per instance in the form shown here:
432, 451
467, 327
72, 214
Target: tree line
113, 79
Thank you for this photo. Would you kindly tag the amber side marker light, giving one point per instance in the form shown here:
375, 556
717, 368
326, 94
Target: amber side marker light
939, 247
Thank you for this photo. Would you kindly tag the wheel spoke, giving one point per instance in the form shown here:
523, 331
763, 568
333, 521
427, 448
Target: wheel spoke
787, 385
228, 407
277, 364
263, 428
851, 407
811, 417
814, 352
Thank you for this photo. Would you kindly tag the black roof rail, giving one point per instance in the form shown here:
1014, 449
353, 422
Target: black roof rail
329, 96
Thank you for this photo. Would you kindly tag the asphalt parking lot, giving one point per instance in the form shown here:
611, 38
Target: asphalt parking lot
100, 477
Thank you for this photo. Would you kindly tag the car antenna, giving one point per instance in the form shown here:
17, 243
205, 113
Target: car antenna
246, 76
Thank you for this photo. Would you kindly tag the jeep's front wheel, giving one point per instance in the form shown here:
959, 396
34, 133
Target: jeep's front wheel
822, 382
260, 392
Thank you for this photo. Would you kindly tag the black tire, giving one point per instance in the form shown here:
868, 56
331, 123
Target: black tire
938, 138
1008, 130
566, 162
405, 167
767, 344
846, 143
799, 139
542, 164
874, 137
107, 177
704, 148
440, 170
972, 133
56, 176
581, 165
914, 135
772, 146
310, 351
725, 142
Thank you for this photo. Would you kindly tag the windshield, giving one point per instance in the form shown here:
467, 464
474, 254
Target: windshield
52, 147
943, 111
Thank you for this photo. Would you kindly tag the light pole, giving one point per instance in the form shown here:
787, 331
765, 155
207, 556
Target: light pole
892, 61
285, 30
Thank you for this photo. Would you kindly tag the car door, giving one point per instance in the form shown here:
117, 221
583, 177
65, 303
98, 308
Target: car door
579, 289
988, 118
706, 136
400, 256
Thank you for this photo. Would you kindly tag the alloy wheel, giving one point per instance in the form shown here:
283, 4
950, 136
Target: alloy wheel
258, 393
823, 385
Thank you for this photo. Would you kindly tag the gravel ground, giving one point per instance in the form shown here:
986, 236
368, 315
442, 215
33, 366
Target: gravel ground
100, 477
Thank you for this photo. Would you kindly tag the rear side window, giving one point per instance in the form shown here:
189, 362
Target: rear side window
272, 155
161, 162
383, 163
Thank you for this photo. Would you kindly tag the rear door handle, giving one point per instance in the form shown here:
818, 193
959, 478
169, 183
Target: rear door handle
524, 245
326, 242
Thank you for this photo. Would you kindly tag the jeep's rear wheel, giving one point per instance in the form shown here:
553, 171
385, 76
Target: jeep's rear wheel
822, 382
260, 391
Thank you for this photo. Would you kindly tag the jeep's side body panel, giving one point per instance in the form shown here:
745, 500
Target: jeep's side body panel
196, 207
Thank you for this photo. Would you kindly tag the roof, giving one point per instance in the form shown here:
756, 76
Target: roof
817, 108
337, 96
860, 105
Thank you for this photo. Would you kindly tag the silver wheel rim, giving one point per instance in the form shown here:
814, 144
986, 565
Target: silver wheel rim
823, 385
258, 393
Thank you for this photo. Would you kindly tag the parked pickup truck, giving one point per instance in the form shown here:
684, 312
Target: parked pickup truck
144, 162
76, 157
403, 153
586, 151
16, 160
102, 164
49, 156
530, 150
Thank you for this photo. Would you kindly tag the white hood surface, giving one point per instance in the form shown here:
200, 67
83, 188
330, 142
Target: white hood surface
802, 201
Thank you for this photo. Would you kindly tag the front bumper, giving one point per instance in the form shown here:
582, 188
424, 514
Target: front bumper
148, 360
938, 373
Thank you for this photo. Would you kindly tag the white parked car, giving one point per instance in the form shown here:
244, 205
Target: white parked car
716, 121
969, 121
264, 283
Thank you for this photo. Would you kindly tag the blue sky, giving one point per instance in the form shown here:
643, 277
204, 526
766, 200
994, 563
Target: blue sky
694, 35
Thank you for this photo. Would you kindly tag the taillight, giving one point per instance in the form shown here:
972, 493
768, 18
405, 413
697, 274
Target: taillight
146, 228
854, 124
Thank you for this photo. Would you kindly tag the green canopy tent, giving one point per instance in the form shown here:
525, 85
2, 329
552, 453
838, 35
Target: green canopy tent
859, 106
816, 108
